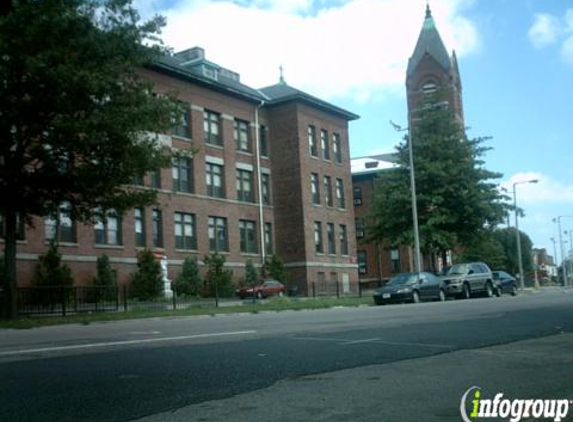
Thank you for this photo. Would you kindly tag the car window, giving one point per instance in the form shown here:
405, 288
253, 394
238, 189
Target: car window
457, 269
404, 278
477, 268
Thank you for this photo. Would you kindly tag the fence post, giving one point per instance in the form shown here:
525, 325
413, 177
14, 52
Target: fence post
360, 290
314, 290
174, 300
116, 297
337, 290
124, 298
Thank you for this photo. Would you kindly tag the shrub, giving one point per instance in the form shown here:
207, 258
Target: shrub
251, 274
53, 279
218, 280
105, 286
189, 281
276, 269
147, 282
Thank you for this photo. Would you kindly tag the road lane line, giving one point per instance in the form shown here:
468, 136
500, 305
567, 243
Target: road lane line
348, 342
122, 343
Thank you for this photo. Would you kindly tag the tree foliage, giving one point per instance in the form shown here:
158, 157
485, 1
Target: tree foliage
189, 281
50, 272
276, 269
76, 118
507, 238
456, 195
218, 279
147, 282
251, 273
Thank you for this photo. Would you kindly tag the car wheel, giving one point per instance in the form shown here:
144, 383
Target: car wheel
497, 292
415, 297
442, 296
513, 290
488, 290
466, 294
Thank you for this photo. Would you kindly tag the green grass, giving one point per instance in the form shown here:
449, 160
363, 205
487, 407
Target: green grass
272, 305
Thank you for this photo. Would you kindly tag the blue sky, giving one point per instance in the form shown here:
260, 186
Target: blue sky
515, 59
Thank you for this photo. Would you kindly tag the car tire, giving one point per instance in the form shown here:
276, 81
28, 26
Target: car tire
442, 296
497, 292
513, 290
488, 289
466, 294
415, 297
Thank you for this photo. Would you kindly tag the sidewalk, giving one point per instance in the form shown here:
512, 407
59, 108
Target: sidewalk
427, 389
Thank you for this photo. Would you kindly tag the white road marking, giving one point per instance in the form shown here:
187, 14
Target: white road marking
122, 343
348, 342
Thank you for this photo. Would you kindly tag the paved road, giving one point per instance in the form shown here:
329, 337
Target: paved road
127, 370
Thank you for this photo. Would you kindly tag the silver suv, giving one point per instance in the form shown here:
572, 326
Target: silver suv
466, 280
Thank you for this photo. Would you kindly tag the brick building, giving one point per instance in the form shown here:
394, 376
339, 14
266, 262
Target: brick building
270, 174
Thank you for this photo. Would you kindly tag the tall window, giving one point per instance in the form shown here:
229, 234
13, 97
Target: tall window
155, 178
185, 234
212, 128
357, 194
20, 228
343, 239
318, 245
315, 188
107, 229
324, 144
247, 236
218, 240
268, 239
328, 190
139, 223
312, 141
182, 174
241, 133
157, 228
263, 141
182, 125
214, 180
359, 227
395, 258
331, 238
60, 226
340, 194
266, 188
245, 185
337, 147
362, 262
137, 179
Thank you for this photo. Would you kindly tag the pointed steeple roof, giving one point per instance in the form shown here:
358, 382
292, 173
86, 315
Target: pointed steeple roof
429, 42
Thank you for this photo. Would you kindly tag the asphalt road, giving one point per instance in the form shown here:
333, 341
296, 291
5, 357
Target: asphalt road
127, 370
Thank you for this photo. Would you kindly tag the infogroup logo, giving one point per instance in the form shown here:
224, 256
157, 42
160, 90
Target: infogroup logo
515, 409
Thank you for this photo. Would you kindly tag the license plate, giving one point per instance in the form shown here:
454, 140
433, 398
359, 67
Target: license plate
386, 296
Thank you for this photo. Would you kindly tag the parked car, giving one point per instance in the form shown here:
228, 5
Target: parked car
411, 287
504, 283
469, 279
266, 289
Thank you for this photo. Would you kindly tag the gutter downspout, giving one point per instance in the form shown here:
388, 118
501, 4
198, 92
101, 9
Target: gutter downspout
259, 184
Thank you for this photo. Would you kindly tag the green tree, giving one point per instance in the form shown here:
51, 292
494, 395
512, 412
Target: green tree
508, 240
456, 197
189, 281
276, 269
147, 282
105, 285
251, 273
50, 271
218, 279
76, 116
485, 247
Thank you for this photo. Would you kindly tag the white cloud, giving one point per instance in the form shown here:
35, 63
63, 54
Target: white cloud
356, 48
545, 191
544, 30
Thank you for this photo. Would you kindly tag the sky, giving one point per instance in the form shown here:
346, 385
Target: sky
515, 59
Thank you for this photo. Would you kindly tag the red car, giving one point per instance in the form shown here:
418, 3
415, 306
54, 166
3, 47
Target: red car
268, 288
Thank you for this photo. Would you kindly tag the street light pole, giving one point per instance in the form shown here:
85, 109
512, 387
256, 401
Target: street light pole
518, 238
554, 253
417, 255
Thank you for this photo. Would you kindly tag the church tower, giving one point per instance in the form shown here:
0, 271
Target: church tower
432, 71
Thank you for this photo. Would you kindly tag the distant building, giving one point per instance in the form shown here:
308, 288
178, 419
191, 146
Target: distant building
271, 175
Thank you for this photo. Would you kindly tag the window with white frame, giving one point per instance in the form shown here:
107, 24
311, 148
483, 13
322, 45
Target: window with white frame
247, 236
60, 226
107, 229
185, 231
241, 134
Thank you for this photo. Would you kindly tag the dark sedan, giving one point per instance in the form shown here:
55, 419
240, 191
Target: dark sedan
411, 287
504, 283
